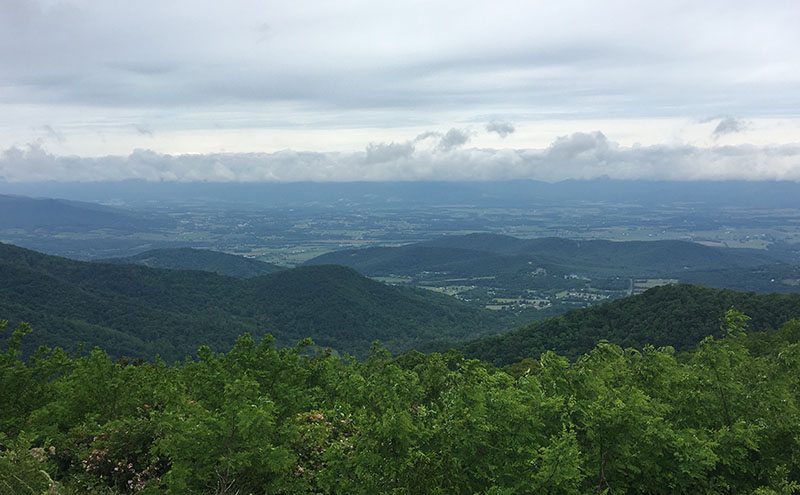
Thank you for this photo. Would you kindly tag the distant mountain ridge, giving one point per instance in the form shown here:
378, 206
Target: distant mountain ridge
504, 194
31, 213
488, 254
230, 265
139, 311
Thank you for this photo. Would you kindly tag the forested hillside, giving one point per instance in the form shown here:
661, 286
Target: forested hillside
674, 315
198, 259
764, 279
722, 419
140, 311
493, 255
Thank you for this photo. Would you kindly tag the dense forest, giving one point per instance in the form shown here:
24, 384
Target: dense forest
719, 419
764, 279
139, 311
499, 255
542, 267
672, 315
198, 259
682, 389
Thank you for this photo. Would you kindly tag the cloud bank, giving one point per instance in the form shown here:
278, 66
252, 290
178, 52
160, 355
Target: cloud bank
577, 156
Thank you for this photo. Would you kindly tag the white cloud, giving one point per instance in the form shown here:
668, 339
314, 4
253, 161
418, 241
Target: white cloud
578, 156
383, 152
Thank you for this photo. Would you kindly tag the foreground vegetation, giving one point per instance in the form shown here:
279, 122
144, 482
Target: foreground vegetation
720, 419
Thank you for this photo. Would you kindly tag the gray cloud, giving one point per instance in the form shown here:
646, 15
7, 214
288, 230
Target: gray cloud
502, 129
427, 135
383, 152
706, 120
52, 134
729, 125
143, 129
87, 54
577, 145
578, 156
263, 32
454, 138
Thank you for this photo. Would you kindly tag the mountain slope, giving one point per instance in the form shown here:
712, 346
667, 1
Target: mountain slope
674, 315
763, 279
410, 259
490, 254
141, 311
18, 212
198, 259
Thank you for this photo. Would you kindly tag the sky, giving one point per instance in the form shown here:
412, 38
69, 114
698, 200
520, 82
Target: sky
96, 90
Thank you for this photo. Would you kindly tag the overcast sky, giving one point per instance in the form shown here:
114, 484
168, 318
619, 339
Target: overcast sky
398, 90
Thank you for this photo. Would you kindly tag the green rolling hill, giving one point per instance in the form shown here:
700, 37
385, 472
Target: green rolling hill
140, 311
674, 315
492, 255
763, 279
198, 259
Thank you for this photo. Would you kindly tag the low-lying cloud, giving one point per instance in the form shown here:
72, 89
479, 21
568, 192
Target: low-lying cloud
502, 129
388, 152
455, 138
729, 125
577, 156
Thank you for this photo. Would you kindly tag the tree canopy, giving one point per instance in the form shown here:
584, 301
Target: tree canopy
720, 419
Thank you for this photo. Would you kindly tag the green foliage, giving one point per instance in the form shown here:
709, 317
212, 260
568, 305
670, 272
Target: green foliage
23, 470
734, 322
720, 419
